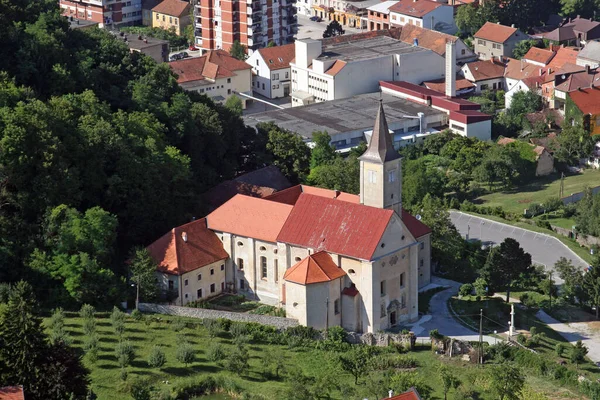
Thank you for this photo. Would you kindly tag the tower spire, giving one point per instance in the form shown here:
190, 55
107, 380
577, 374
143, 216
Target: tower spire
380, 149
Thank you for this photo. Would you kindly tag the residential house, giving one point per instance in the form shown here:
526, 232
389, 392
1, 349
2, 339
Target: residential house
255, 24
539, 57
436, 41
590, 55
12, 393
486, 75
216, 74
349, 65
147, 6
155, 48
172, 15
582, 107
379, 16
271, 73
572, 32
463, 85
104, 12
585, 30
495, 40
329, 258
569, 81
544, 160
412, 394
425, 14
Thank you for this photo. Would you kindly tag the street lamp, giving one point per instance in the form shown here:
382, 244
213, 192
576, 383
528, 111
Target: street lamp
495, 338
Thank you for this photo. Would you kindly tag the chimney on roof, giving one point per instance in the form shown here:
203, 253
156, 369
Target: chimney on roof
184, 236
450, 82
512, 25
498, 23
391, 393
579, 16
337, 193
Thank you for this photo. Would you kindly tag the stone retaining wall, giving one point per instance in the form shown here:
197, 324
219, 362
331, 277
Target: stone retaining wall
278, 322
582, 239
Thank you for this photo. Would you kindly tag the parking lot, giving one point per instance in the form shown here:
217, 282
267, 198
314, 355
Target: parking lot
308, 29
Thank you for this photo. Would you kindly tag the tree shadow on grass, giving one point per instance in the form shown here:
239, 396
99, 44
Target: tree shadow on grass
106, 366
105, 339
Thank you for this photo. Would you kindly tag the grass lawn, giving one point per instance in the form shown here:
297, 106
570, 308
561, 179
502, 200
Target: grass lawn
312, 361
517, 199
561, 222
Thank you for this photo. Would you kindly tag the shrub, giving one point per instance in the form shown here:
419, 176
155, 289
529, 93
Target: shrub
123, 374
137, 315
269, 310
124, 353
194, 386
304, 332
59, 335
559, 349
435, 334
178, 324
87, 311
116, 315
237, 361
186, 353
57, 320
215, 352
157, 357
5, 289
241, 340
90, 342
237, 329
119, 328
89, 326
336, 334
92, 355
212, 326
140, 389
465, 290
522, 339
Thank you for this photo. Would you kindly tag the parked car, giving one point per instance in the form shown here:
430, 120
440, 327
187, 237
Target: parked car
316, 19
175, 57
193, 48
184, 54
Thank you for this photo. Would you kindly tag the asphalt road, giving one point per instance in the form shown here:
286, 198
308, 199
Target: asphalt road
544, 249
308, 29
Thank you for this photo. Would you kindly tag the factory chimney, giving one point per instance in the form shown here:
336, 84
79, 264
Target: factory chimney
450, 68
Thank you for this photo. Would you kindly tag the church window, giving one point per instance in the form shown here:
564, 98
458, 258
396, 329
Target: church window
276, 270
382, 310
240, 263
274, 251
372, 176
422, 262
403, 301
351, 272
212, 271
297, 259
336, 306
402, 280
392, 175
262, 248
199, 277
185, 282
422, 245
382, 288
240, 244
263, 267
241, 284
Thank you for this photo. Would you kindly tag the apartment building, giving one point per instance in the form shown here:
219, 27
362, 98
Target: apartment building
495, 40
172, 15
348, 13
104, 12
349, 65
254, 23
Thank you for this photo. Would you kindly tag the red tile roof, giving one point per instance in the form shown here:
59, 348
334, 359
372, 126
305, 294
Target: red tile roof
432, 40
416, 227
413, 8
175, 8
563, 56
539, 55
176, 256
12, 393
291, 195
520, 69
483, 70
213, 65
337, 66
469, 116
278, 57
250, 217
439, 85
587, 100
316, 268
495, 32
412, 394
338, 227
350, 291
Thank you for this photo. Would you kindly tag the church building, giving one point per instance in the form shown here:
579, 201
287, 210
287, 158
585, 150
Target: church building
329, 258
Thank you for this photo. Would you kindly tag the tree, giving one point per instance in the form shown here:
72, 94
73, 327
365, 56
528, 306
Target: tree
506, 264
465, 290
271, 44
433, 144
342, 174
420, 178
142, 269
322, 153
237, 360
583, 8
355, 362
506, 381
334, 28
449, 380
289, 152
157, 357
573, 143
238, 50
124, 353
524, 103
234, 104
577, 354
186, 353
480, 286
403, 381
523, 47
591, 285
572, 276
467, 19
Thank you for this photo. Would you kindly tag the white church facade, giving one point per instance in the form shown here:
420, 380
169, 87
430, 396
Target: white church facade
329, 258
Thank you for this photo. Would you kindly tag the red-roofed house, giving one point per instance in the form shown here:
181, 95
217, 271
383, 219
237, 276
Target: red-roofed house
486, 75
216, 74
425, 14
583, 108
329, 258
12, 393
537, 56
271, 75
412, 394
495, 40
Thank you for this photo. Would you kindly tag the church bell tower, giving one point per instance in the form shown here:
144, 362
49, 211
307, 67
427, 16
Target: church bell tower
381, 169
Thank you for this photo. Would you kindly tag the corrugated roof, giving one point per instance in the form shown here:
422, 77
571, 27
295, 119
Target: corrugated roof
495, 32
176, 256
278, 57
383, 7
316, 268
175, 8
587, 100
539, 55
12, 393
415, 8
335, 226
250, 217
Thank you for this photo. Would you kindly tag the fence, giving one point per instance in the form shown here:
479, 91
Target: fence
575, 197
277, 322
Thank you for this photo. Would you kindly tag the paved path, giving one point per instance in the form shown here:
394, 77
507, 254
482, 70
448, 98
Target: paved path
544, 249
441, 319
308, 29
574, 332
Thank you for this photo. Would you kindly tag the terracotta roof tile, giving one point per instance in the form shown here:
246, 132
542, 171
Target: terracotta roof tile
278, 57
495, 32
412, 394
432, 40
213, 65
175, 8
539, 55
335, 226
415, 9
176, 256
12, 393
250, 217
316, 268
291, 195
350, 291
564, 55
416, 227
520, 69
482, 70
439, 85
587, 100
337, 66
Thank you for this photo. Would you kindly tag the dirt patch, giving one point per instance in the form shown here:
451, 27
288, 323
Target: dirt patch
524, 201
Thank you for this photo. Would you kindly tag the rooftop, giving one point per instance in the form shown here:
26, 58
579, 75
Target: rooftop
340, 116
587, 100
364, 48
12, 393
383, 7
539, 55
427, 38
412, 394
579, 80
213, 65
175, 8
495, 32
564, 55
278, 57
415, 8
316, 268
139, 42
591, 51
439, 85
482, 70
582, 24
75, 23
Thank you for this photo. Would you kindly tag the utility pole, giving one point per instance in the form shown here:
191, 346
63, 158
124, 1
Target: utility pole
481, 335
562, 186
550, 292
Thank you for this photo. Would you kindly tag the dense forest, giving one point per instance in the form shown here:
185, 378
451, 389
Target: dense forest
100, 151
